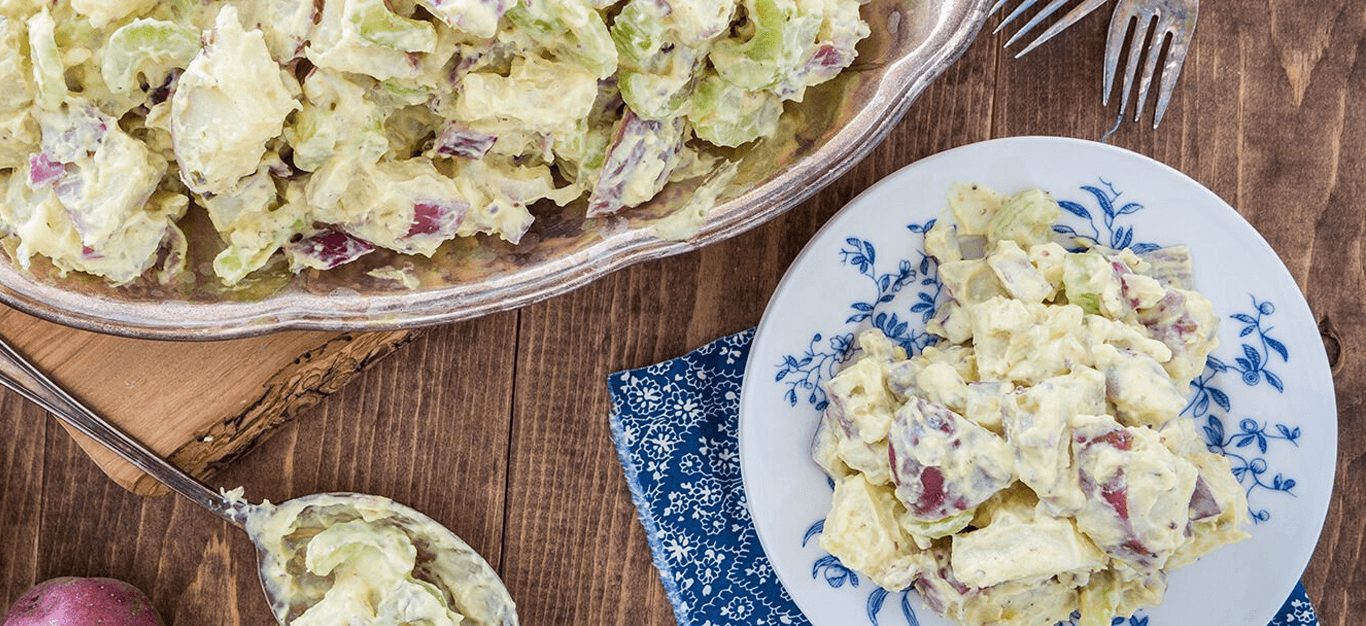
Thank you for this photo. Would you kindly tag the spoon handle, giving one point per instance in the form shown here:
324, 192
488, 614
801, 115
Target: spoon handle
25, 379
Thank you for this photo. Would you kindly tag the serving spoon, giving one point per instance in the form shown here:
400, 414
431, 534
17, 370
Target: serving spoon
491, 597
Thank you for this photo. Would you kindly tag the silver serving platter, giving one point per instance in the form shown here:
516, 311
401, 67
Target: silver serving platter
839, 122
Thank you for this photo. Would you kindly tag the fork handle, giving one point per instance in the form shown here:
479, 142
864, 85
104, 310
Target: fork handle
21, 376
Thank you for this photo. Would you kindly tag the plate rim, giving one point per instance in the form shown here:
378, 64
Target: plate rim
751, 376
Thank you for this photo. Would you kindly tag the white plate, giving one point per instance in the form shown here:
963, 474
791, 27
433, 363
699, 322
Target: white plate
1271, 409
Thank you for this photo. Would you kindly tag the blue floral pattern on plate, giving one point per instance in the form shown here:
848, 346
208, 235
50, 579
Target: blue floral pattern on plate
803, 372
1246, 447
1116, 234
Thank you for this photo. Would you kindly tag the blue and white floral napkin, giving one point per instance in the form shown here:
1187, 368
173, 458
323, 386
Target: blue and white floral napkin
676, 428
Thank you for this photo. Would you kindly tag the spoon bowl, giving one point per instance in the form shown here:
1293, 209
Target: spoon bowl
281, 531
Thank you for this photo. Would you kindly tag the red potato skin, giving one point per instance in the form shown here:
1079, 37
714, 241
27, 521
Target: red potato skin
1115, 494
1203, 503
70, 601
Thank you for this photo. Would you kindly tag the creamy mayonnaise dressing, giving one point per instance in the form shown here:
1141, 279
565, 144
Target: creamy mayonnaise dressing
367, 561
1033, 462
314, 133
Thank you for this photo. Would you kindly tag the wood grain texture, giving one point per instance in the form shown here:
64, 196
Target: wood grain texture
21, 498
431, 431
201, 404
498, 427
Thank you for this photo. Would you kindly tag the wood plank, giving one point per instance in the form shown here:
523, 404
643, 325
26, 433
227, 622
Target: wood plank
21, 499
201, 404
196, 569
428, 428
1268, 116
575, 552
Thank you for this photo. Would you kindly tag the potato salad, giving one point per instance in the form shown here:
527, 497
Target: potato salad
1033, 462
311, 133
365, 561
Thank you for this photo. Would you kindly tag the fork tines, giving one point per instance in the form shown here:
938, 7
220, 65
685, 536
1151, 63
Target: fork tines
1086, 7
1174, 19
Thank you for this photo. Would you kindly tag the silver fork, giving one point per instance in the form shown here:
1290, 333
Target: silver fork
1172, 18
1082, 10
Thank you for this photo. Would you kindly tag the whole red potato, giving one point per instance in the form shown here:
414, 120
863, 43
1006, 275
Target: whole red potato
70, 601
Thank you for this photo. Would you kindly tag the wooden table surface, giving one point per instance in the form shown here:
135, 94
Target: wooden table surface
498, 427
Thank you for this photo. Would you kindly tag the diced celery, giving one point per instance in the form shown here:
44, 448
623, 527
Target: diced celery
925, 532
725, 114
1026, 218
581, 151
148, 47
662, 92
377, 24
783, 39
233, 264
312, 136
403, 92
249, 249
48, 71
569, 28
336, 118
179, 11
75, 33
639, 32
1085, 278
336, 43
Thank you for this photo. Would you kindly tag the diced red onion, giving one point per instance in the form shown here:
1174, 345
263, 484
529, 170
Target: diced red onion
828, 56
436, 218
332, 247
461, 141
43, 171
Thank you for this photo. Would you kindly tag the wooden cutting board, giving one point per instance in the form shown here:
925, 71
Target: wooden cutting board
199, 404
